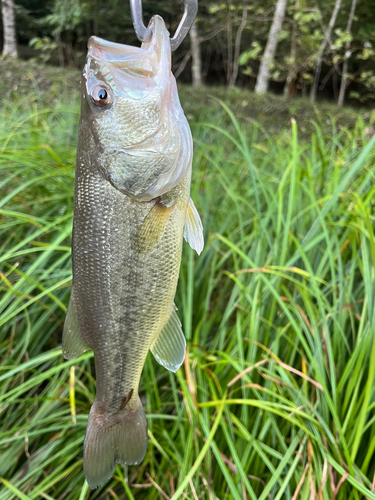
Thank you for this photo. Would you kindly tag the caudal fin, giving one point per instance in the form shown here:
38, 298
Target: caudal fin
112, 440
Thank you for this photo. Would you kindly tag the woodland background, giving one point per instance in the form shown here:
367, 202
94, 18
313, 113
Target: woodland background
296, 47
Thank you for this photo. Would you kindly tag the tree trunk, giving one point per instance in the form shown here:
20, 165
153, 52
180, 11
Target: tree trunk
322, 48
9, 29
271, 46
237, 47
196, 58
230, 43
292, 73
60, 49
347, 55
96, 18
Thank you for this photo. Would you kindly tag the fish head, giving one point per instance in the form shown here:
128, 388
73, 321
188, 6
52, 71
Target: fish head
131, 110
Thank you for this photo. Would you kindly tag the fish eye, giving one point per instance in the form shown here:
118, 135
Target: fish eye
100, 96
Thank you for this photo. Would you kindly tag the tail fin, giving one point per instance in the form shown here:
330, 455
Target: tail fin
112, 440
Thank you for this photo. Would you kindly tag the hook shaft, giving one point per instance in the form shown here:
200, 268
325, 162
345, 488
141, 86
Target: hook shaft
144, 34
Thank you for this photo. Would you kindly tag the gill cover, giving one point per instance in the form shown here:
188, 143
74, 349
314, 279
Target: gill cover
140, 137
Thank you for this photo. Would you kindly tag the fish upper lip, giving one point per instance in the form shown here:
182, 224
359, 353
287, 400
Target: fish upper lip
104, 47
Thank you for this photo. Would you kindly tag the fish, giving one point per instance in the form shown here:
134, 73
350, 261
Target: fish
132, 210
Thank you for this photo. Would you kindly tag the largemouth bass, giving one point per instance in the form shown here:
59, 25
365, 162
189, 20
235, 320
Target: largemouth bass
132, 208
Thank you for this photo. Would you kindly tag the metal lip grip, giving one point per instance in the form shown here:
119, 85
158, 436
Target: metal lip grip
144, 34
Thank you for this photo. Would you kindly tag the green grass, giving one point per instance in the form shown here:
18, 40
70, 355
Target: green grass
276, 397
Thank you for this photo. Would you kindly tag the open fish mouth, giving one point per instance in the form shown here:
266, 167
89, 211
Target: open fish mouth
133, 60
151, 60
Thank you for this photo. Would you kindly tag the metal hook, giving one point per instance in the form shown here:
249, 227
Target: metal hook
144, 34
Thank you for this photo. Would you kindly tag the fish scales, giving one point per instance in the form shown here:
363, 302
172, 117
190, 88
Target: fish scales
113, 286
132, 208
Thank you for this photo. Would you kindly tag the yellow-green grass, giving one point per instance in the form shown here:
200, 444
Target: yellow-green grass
276, 396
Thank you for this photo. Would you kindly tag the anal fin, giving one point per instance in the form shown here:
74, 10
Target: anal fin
193, 229
73, 343
170, 345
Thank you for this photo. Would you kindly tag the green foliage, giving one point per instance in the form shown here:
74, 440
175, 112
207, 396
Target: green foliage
253, 53
366, 54
277, 391
343, 37
59, 30
45, 45
214, 8
66, 15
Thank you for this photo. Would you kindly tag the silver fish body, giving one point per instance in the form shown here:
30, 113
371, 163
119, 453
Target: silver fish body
131, 210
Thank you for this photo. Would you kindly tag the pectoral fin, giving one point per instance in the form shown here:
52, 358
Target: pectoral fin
152, 228
170, 345
193, 229
73, 343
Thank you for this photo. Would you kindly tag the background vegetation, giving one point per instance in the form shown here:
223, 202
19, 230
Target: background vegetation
276, 399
